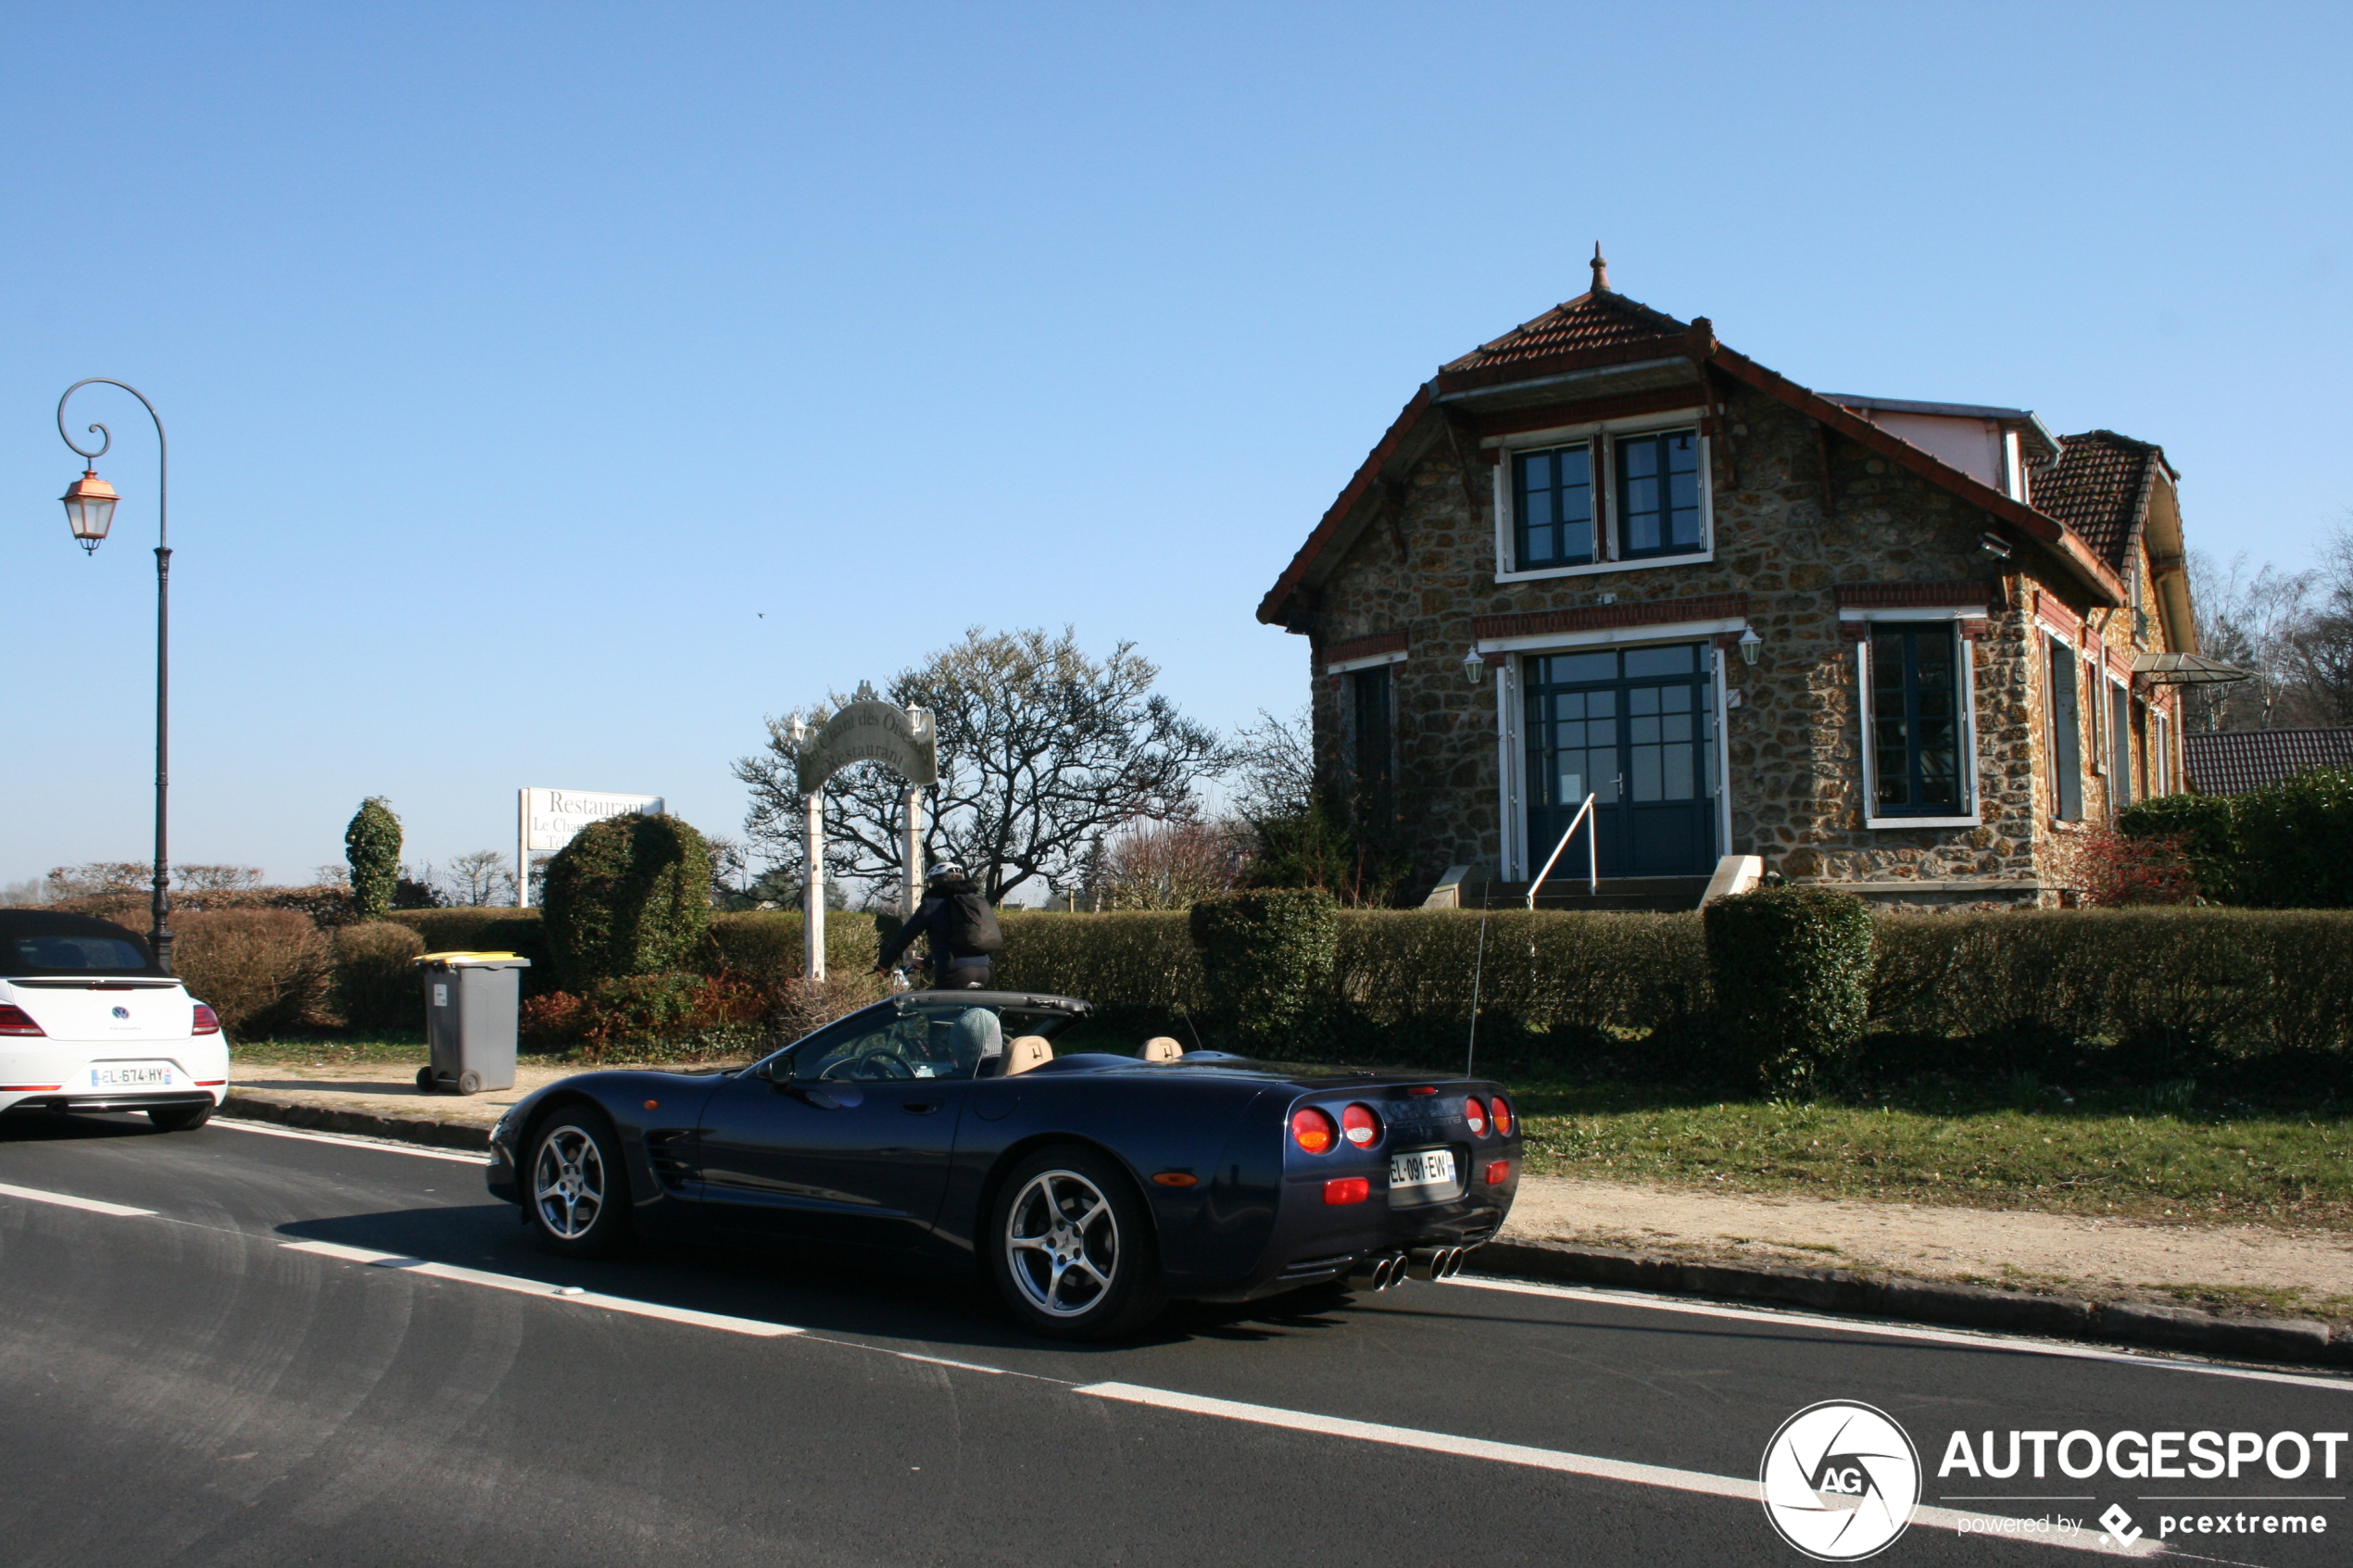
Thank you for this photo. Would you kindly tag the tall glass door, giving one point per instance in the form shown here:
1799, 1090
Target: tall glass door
1636, 728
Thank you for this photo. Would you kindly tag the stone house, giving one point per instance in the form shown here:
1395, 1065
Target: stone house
1909, 649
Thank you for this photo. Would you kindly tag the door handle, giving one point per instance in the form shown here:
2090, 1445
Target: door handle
919, 1107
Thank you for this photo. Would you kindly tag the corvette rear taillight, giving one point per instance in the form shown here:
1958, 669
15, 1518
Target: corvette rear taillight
1498, 1172
15, 1021
1347, 1190
1359, 1126
1501, 1111
1312, 1130
208, 1020
1476, 1114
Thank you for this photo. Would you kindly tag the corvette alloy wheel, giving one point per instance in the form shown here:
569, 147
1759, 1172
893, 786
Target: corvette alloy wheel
1062, 1244
568, 1182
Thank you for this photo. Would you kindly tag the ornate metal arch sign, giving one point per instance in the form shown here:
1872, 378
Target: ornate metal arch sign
870, 729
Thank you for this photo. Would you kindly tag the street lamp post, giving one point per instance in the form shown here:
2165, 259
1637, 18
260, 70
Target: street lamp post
89, 503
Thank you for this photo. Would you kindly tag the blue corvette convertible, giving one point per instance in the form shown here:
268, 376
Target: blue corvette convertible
1091, 1188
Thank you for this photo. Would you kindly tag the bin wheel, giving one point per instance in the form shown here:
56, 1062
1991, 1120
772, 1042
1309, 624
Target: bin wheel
469, 1083
424, 1080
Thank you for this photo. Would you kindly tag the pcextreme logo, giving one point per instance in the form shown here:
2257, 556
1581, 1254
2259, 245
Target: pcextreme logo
1840, 1481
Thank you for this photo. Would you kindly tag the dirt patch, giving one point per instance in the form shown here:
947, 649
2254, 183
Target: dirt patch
2265, 1267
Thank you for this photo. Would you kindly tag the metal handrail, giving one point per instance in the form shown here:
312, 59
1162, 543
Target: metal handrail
1592, 858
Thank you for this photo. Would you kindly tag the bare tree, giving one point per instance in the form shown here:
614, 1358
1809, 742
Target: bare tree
97, 878
484, 878
1168, 865
2252, 621
1042, 751
215, 879
1276, 759
2319, 654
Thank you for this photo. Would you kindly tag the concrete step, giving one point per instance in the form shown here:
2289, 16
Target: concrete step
1665, 894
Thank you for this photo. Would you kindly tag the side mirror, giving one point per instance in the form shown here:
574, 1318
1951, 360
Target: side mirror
777, 1070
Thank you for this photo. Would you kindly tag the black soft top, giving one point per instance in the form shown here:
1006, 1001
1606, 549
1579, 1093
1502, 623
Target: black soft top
21, 946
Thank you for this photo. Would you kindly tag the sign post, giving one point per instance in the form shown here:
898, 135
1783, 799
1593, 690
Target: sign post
905, 740
546, 820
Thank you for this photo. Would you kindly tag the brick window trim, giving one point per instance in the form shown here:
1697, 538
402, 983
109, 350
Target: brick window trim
1914, 596
1595, 617
1365, 646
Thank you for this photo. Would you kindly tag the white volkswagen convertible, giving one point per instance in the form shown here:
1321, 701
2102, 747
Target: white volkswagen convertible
88, 1023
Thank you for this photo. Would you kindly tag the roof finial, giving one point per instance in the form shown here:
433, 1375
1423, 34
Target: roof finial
1601, 269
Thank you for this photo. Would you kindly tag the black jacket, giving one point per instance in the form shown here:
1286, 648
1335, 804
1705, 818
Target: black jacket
931, 921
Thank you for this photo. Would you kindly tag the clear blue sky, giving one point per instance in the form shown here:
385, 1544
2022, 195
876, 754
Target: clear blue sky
517, 359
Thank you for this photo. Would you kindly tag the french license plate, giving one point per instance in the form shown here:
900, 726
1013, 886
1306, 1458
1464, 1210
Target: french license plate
131, 1075
1423, 1167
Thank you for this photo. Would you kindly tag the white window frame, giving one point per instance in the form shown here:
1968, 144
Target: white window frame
2159, 771
1511, 752
1602, 436
1970, 771
2074, 647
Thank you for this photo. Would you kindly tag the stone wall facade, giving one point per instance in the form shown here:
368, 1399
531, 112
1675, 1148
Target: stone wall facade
1798, 515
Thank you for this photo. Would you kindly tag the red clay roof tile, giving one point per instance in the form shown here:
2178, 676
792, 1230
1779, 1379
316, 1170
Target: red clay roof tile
2099, 488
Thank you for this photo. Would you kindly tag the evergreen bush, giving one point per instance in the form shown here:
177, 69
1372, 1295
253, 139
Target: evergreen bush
2206, 829
2299, 841
1792, 968
372, 845
1267, 955
376, 984
629, 895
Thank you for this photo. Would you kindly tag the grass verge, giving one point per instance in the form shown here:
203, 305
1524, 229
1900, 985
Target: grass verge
2128, 1158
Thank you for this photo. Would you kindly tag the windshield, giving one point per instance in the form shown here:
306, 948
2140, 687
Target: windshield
903, 1040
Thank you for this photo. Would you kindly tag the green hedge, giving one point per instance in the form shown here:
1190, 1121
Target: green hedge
2288, 845
1268, 956
629, 894
1792, 968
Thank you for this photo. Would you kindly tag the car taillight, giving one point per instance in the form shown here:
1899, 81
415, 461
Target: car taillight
1347, 1190
208, 1020
1501, 1111
1498, 1172
15, 1021
1476, 1114
1312, 1130
1359, 1126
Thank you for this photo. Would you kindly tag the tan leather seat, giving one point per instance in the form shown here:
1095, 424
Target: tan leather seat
1160, 1047
1025, 1052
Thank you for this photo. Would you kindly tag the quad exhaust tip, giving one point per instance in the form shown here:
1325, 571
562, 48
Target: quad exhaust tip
1395, 1268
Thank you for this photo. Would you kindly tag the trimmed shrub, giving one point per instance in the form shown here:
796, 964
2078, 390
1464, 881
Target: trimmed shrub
372, 845
376, 984
1792, 968
1134, 958
2298, 842
665, 1016
261, 970
765, 945
1268, 956
629, 895
804, 1006
2114, 870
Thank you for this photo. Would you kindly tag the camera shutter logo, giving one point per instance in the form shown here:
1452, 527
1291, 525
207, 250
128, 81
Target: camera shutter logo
1840, 1481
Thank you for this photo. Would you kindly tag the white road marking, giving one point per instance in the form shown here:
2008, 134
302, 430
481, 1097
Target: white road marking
68, 1201
385, 1146
1739, 1489
1974, 1339
569, 1296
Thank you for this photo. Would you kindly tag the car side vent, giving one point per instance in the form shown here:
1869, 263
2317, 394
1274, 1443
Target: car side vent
672, 1154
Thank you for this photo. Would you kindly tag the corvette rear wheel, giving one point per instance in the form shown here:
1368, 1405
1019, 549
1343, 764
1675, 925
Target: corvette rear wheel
578, 1188
1070, 1246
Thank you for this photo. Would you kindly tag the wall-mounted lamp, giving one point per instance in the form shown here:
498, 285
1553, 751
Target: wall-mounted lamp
1994, 545
1474, 664
1750, 643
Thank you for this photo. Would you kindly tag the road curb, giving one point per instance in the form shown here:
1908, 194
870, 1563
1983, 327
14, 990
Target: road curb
1848, 1292
364, 1123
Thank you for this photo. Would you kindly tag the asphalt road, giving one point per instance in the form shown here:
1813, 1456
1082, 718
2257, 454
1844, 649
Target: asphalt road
250, 1347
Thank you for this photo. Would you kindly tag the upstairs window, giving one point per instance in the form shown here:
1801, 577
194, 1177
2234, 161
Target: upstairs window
2119, 748
1658, 494
1553, 503
1915, 721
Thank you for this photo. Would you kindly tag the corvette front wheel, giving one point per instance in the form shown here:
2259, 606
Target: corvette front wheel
1070, 1246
